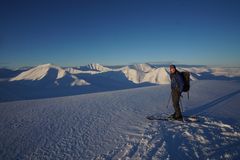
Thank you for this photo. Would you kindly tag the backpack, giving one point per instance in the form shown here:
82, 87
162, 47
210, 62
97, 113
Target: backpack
186, 81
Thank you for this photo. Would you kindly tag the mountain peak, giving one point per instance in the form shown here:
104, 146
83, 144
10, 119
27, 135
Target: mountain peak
39, 72
144, 67
97, 67
48, 65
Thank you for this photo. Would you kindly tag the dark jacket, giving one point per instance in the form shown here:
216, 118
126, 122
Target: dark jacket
177, 81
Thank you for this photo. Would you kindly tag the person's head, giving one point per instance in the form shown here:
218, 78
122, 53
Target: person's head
172, 69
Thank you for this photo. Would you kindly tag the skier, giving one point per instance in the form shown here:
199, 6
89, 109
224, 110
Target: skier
177, 88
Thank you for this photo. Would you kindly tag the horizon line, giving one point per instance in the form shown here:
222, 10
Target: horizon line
158, 63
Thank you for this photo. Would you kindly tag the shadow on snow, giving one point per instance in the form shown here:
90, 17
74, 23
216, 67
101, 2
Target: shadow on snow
46, 87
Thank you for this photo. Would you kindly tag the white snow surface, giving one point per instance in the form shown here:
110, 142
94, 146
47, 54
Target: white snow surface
142, 67
112, 125
144, 73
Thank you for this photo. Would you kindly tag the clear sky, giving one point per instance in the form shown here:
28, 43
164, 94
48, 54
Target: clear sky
78, 32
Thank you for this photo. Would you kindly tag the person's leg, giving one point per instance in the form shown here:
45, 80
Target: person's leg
175, 100
172, 115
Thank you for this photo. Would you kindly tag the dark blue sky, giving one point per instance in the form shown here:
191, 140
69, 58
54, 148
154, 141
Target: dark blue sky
73, 33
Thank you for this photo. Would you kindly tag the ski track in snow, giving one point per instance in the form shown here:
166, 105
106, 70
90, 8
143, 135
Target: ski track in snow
207, 139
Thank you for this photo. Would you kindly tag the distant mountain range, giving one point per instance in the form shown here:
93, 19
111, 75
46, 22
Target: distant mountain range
138, 73
48, 74
50, 80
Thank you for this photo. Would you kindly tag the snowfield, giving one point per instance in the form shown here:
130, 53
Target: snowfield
112, 125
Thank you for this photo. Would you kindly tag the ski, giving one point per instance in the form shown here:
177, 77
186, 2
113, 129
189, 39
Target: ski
165, 118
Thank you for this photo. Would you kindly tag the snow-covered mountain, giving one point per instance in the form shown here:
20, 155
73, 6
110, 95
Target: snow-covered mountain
40, 72
49, 74
145, 73
138, 73
143, 67
95, 67
97, 78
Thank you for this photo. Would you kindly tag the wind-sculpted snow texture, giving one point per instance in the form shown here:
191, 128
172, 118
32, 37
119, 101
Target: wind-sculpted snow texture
112, 125
210, 139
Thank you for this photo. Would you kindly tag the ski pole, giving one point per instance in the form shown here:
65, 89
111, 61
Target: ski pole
181, 106
169, 100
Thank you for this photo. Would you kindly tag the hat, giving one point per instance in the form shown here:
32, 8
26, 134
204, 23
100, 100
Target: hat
172, 66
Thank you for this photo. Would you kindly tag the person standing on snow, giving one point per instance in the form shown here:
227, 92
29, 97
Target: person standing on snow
177, 88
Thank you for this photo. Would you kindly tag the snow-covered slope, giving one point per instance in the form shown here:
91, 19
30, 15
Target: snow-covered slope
112, 125
143, 67
49, 74
145, 73
95, 67
39, 72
